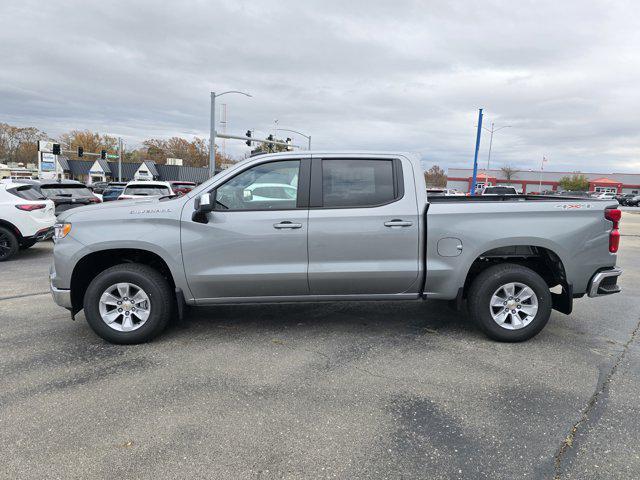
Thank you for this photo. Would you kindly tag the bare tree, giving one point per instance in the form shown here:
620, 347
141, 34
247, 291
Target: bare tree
509, 172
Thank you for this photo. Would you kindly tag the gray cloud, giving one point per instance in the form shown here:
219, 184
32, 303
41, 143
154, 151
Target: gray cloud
382, 75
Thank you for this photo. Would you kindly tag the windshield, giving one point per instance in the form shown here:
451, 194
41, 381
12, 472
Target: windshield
113, 191
183, 185
26, 192
149, 190
66, 191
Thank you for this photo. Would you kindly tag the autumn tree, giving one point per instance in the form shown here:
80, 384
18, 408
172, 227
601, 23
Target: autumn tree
435, 177
194, 153
575, 182
91, 142
19, 144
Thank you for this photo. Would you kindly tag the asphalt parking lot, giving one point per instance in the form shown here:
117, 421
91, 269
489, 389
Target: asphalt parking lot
357, 390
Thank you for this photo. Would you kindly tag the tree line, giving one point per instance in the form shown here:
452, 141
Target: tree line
20, 144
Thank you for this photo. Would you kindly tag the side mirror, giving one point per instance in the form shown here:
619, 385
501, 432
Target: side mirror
247, 195
203, 205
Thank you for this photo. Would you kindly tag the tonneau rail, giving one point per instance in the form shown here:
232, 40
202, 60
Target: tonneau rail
509, 198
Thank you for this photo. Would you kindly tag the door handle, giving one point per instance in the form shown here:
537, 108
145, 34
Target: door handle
287, 224
397, 223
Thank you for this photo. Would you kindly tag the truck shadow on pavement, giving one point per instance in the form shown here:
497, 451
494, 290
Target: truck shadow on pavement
374, 318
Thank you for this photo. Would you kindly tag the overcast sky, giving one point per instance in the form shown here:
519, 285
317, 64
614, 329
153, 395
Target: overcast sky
402, 75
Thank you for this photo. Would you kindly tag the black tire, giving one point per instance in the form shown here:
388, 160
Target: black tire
27, 244
156, 287
491, 279
8, 244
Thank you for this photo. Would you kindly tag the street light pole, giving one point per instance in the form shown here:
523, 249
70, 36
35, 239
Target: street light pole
212, 129
492, 130
308, 137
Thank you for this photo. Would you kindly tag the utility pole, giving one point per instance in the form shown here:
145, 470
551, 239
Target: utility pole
475, 157
212, 137
120, 159
212, 129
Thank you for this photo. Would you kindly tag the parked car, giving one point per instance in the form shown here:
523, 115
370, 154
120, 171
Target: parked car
180, 187
499, 190
360, 227
112, 193
98, 187
625, 197
26, 217
67, 194
605, 195
145, 189
443, 192
634, 201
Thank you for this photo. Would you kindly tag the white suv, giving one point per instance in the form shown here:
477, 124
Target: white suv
26, 217
145, 189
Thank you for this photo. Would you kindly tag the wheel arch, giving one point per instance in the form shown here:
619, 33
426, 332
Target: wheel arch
541, 259
10, 226
89, 266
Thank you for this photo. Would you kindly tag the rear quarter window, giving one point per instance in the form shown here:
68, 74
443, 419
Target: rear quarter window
27, 192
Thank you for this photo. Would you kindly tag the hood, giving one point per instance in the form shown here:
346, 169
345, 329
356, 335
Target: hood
118, 209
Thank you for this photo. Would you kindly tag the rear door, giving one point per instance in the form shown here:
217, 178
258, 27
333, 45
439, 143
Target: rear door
363, 226
252, 245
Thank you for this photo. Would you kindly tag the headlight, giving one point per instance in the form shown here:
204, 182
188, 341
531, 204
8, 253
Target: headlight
61, 230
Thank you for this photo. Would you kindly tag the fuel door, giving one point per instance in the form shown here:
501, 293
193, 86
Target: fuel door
449, 247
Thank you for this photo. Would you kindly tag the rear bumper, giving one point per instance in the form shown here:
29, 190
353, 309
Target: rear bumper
605, 282
44, 234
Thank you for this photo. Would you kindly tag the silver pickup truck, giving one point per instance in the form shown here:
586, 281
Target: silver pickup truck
320, 226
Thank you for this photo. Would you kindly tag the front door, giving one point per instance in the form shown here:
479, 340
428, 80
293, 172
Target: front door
255, 241
364, 227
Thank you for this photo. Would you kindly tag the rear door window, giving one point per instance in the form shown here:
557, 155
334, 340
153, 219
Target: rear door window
358, 183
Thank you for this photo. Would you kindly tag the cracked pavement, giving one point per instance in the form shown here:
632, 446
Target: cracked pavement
353, 390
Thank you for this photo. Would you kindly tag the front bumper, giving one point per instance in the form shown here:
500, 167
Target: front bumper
62, 296
605, 282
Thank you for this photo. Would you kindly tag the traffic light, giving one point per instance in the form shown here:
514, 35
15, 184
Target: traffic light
80, 151
289, 145
56, 149
103, 154
248, 134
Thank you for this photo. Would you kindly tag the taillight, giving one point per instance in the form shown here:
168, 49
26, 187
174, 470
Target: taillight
94, 200
614, 215
31, 207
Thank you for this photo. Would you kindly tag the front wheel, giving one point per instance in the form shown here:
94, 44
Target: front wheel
128, 303
509, 302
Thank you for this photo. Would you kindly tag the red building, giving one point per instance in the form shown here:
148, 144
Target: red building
527, 181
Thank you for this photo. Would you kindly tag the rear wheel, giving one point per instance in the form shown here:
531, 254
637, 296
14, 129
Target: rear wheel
128, 303
8, 244
509, 302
